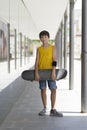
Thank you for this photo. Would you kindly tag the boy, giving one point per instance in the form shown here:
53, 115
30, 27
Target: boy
46, 59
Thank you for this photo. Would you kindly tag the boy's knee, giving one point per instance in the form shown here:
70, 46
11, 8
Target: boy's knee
53, 91
43, 90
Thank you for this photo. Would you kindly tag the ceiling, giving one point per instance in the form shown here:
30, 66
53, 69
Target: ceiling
32, 16
46, 15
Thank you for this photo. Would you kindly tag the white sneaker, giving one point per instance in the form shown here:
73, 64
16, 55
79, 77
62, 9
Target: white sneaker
43, 112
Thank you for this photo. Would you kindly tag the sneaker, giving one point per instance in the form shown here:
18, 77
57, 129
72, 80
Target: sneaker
55, 113
43, 112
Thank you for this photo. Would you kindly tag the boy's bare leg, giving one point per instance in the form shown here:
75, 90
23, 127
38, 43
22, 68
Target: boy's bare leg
44, 97
53, 111
53, 98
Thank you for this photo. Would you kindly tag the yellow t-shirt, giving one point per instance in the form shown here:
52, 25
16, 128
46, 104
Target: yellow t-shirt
45, 57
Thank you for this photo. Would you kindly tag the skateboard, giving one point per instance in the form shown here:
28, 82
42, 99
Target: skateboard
45, 74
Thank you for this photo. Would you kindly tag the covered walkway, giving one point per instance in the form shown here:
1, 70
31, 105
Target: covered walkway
24, 114
20, 101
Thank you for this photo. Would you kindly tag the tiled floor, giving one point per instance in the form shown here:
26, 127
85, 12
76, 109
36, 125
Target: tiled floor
24, 114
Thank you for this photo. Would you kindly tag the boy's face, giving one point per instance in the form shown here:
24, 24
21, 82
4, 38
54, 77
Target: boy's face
44, 39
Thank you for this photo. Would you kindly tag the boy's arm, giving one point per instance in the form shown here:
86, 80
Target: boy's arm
37, 77
53, 76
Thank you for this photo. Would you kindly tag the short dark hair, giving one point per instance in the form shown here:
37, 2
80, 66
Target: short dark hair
44, 32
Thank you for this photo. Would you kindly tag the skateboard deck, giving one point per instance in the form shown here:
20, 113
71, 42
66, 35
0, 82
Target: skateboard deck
44, 74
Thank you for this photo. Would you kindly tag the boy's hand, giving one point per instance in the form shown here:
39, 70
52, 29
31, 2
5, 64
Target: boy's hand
53, 75
37, 77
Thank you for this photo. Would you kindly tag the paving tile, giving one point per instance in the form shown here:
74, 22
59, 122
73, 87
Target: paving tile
11, 128
24, 114
76, 128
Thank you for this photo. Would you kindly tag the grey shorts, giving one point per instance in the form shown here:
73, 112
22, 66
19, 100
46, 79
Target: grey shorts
51, 84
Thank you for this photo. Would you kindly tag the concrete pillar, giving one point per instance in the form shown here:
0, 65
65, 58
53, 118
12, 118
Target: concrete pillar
15, 47
59, 40
65, 40
8, 48
71, 55
57, 47
84, 58
28, 48
20, 49
62, 46
24, 49
60, 49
